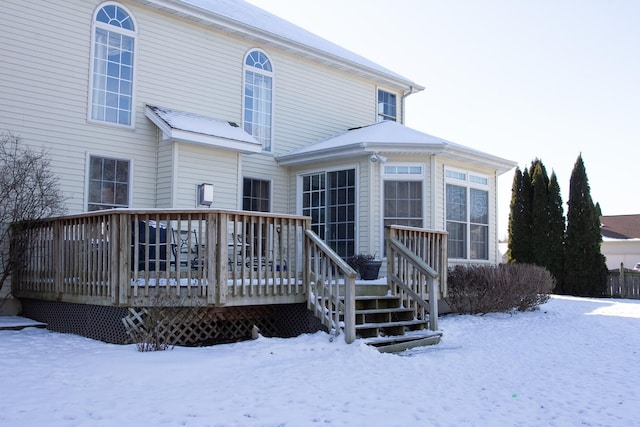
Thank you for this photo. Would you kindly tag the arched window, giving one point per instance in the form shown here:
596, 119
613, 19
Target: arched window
114, 34
258, 95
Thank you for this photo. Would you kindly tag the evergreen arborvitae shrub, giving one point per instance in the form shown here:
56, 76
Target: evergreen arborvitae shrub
520, 219
557, 228
584, 264
481, 289
540, 215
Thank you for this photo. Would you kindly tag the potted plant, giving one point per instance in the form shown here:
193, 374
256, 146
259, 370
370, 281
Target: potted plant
366, 265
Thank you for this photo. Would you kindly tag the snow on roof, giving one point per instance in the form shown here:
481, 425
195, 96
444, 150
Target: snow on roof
267, 25
200, 129
389, 137
372, 136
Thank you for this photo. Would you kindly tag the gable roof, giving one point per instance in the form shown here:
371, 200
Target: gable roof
620, 226
202, 130
249, 21
389, 137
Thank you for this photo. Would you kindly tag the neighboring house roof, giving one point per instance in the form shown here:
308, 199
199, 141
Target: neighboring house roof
197, 129
247, 20
620, 226
389, 137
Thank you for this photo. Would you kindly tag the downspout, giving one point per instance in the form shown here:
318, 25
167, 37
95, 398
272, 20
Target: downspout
411, 91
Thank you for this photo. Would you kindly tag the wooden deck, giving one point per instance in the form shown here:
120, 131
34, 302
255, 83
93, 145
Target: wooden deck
216, 258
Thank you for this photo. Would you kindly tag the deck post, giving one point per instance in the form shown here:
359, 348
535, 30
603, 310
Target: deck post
434, 293
221, 251
114, 244
213, 259
122, 251
349, 309
58, 242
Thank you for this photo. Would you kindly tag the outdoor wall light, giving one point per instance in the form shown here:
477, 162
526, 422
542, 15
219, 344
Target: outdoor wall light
205, 194
375, 157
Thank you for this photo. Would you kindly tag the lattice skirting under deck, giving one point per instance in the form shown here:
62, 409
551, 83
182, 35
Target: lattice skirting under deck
178, 325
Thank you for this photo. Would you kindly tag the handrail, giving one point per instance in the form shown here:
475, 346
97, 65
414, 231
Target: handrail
420, 265
408, 268
331, 294
413, 258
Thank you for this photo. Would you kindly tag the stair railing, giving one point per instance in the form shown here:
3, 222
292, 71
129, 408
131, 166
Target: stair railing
409, 274
331, 295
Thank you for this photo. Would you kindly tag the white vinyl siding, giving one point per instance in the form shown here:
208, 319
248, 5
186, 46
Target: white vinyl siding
203, 75
195, 166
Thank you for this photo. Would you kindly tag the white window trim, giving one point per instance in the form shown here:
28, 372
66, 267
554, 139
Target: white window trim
301, 174
134, 34
255, 178
378, 114
469, 183
273, 85
87, 175
385, 176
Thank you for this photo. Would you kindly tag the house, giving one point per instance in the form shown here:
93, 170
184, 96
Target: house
620, 240
205, 106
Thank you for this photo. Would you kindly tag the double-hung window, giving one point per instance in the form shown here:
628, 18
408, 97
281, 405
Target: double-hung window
111, 96
467, 213
256, 195
258, 95
386, 106
403, 195
108, 183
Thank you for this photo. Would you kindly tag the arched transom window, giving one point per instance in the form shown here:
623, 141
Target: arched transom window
258, 95
111, 97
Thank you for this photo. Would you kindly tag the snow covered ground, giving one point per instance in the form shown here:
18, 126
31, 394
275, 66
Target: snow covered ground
574, 362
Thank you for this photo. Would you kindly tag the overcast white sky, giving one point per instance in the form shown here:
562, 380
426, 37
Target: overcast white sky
546, 79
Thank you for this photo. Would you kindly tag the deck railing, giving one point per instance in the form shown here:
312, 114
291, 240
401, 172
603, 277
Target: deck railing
417, 269
129, 257
331, 287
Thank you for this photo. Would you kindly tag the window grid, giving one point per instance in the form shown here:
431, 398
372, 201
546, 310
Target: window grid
386, 106
113, 57
403, 203
108, 183
341, 221
256, 195
258, 95
329, 199
467, 215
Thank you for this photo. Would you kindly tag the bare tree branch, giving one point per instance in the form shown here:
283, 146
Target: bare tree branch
29, 191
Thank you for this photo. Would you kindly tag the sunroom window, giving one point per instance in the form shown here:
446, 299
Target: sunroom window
111, 96
258, 95
467, 213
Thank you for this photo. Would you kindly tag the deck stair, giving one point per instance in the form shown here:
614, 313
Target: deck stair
383, 323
